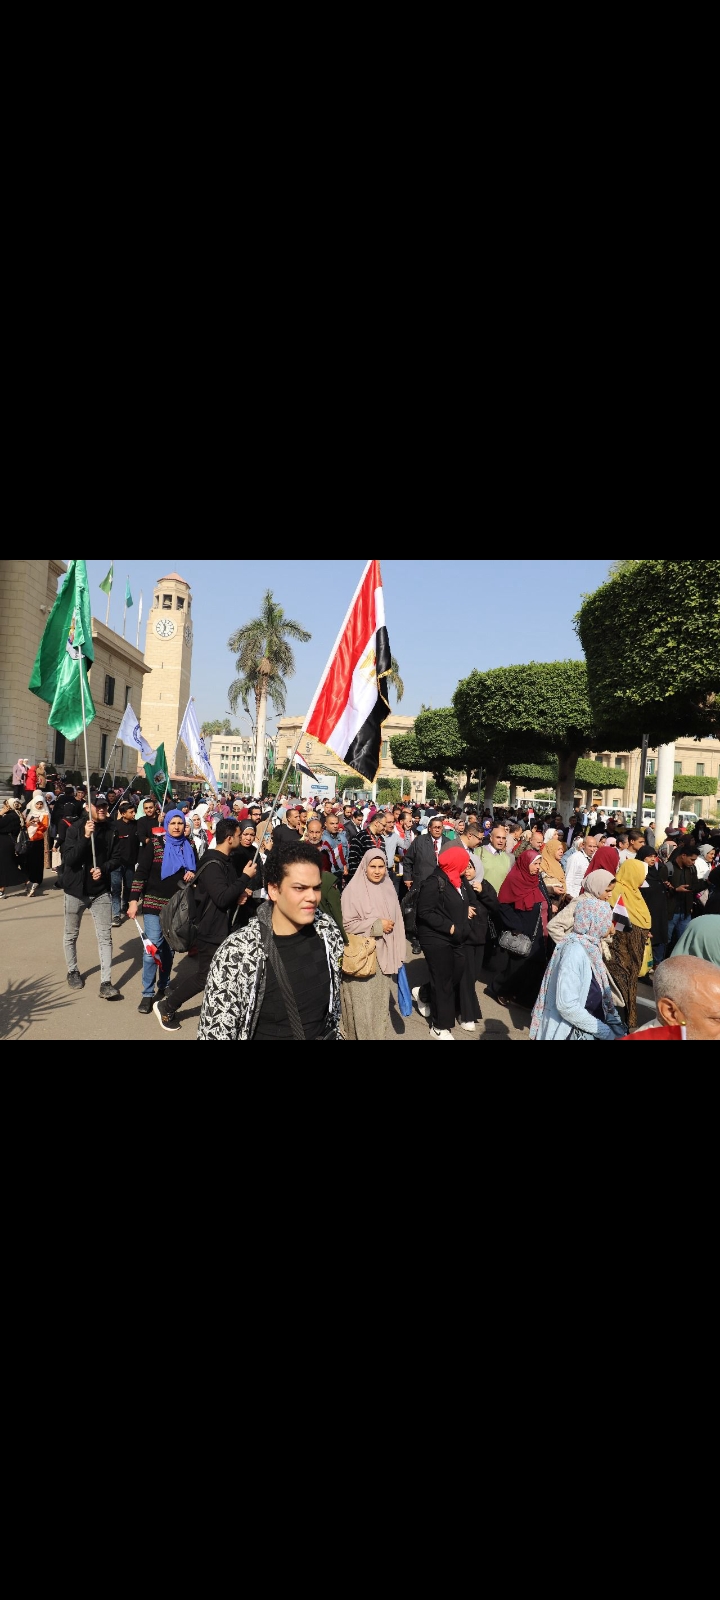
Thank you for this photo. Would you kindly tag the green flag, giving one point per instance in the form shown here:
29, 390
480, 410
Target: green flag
157, 774
107, 582
128, 596
65, 648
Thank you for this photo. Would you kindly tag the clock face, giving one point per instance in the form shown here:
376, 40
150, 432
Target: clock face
188, 634
165, 628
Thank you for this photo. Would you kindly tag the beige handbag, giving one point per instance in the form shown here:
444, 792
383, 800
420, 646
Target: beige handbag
360, 956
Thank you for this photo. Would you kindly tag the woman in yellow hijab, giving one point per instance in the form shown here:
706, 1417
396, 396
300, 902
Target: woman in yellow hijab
631, 947
628, 878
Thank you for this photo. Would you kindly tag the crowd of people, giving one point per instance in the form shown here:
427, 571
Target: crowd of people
302, 913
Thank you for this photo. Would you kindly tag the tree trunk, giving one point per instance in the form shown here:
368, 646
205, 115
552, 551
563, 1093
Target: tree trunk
567, 763
512, 793
260, 737
491, 783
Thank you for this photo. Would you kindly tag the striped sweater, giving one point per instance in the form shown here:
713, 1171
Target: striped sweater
148, 886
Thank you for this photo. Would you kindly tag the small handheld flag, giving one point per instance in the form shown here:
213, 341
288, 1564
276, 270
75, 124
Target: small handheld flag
148, 946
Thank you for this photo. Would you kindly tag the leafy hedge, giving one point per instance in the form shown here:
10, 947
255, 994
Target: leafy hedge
651, 636
683, 783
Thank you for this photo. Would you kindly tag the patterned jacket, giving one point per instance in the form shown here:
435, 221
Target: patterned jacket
235, 987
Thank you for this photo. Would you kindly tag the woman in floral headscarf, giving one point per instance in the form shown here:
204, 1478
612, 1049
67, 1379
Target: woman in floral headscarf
37, 821
575, 1000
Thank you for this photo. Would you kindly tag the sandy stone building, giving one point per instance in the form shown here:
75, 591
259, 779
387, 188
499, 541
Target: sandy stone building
168, 658
312, 751
28, 590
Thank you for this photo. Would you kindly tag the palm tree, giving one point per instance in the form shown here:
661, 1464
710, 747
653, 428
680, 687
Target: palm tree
264, 662
393, 677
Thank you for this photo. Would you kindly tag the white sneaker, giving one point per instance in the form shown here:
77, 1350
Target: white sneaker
468, 1027
441, 1033
423, 1009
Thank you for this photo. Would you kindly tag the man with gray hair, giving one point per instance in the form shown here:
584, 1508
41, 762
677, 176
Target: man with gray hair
687, 995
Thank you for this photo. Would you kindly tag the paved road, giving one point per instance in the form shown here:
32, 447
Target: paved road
36, 1004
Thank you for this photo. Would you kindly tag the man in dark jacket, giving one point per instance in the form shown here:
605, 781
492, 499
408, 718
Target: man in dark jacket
66, 810
682, 886
289, 832
125, 829
421, 859
87, 888
216, 894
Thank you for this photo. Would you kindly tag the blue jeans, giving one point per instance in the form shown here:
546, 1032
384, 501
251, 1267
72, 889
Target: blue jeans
154, 933
121, 878
676, 926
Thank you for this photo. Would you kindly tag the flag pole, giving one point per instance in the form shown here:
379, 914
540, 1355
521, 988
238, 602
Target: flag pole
107, 609
177, 747
125, 605
268, 820
107, 769
137, 639
81, 658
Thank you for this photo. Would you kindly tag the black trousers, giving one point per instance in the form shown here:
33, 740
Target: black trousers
447, 967
194, 976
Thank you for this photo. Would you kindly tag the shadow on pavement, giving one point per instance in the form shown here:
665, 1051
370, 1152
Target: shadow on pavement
30, 1000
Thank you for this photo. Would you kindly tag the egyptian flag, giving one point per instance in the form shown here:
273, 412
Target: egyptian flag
351, 703
302, 766
621, 916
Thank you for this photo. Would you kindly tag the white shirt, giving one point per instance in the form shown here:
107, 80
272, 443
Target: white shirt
702, 867
575, 872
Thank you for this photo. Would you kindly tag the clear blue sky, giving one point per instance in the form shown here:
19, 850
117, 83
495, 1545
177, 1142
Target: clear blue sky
443, 617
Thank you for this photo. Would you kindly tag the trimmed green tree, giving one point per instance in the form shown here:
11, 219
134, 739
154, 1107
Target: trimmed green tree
651, 636
540, 707
435, 745
684, 783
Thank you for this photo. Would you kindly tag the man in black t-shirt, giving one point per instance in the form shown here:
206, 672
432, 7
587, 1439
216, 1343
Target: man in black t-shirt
279, 978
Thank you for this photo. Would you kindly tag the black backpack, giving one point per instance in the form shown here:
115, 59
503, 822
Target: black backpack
178, 917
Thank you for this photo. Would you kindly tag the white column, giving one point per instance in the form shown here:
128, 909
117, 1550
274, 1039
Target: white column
663, 790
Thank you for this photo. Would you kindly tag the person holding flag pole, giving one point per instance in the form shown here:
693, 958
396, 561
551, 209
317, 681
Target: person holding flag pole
59, 676
269, 981
351, 700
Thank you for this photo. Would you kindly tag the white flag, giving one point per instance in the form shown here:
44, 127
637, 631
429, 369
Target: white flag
195, 744
129, 733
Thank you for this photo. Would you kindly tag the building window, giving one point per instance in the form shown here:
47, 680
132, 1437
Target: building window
103, 751
651, 767
700, 769
618, 761
180, 603
157, 602
167, 602
109, 696
678, 769
127, 693
59, 747
385, 750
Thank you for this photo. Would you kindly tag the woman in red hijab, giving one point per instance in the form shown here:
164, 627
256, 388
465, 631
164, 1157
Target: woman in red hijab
606, 859
523, 907
444, 914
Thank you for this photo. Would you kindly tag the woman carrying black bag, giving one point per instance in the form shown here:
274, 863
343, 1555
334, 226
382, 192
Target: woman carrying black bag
523, 906
445, 913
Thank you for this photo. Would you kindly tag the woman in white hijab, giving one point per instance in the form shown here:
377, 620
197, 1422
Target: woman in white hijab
37, 821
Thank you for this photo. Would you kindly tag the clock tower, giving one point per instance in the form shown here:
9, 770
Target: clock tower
168, 654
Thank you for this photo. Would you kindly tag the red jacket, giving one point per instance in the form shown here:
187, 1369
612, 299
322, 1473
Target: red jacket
654, 1033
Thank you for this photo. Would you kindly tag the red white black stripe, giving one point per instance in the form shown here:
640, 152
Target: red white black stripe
351, 703
302, 766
